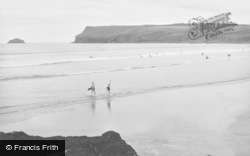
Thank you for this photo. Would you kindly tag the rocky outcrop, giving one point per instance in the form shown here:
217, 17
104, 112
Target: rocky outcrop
175, 33
109, 144
16, 40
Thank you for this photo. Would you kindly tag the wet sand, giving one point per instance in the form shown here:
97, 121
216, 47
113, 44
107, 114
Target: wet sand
240, 130
189, 121
177, 104
205, 121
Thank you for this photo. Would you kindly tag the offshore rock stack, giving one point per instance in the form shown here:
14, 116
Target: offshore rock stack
16, 40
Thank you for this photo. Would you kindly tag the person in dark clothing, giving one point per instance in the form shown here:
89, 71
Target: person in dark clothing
108, 88
92, 88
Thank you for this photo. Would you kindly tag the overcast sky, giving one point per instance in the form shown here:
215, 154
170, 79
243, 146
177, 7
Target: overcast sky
60, 20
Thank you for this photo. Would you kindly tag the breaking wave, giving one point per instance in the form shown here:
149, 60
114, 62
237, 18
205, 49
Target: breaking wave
84, 73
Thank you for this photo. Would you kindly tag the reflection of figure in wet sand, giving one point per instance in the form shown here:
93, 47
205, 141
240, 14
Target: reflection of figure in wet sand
93, 102
108, 103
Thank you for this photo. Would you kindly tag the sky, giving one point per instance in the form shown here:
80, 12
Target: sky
45, 21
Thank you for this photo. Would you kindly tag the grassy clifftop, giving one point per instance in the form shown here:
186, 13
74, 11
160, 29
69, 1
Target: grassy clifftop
175, 33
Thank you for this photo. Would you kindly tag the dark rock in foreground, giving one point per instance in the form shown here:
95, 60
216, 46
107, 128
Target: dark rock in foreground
109, 144
173, 33
16, 40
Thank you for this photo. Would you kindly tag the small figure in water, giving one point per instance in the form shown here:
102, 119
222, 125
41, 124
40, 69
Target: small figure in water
92, 88
207, 57
228, 55
108, 88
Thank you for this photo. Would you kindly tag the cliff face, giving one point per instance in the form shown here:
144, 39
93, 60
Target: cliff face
16, 40
109, 144
176, 33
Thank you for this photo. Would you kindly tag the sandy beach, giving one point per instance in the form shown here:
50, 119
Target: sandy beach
163, 102
204, 120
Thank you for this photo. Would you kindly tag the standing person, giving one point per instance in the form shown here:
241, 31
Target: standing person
108, 88
92, 88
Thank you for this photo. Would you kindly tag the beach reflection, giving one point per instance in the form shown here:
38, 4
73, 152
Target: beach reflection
93, 104
109, 104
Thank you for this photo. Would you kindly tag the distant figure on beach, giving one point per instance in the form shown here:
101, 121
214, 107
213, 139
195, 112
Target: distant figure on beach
207, 57
108, 88
92, 88
150, 56
202, 53
228, 55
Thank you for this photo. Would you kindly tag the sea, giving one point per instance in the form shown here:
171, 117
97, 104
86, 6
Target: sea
60, 74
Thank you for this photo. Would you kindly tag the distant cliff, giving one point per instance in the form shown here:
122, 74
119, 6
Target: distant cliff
175, 33
16, 40
109, 144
